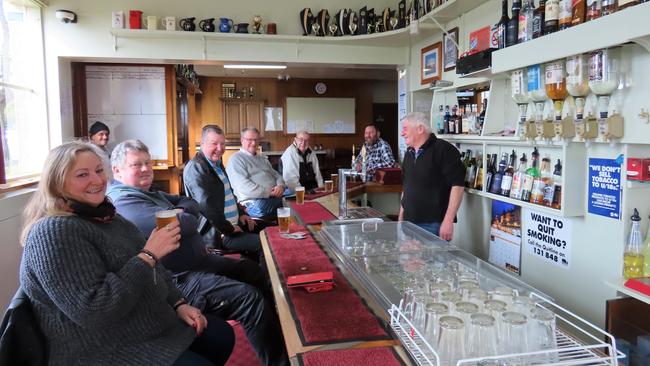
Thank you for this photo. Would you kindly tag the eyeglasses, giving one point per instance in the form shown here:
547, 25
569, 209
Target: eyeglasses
300, 139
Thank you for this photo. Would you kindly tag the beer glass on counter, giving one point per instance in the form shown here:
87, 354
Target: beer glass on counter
300, 195
335, 180
284, 219
165, 217
329, 186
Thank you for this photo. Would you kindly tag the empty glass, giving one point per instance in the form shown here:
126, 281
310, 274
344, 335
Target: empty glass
434, 311
478, 297
481, 336
436, 289
450, 299
522, 304
420, 299
542, 335
451, 340
465, 286
464, 310
502, 293
513, 335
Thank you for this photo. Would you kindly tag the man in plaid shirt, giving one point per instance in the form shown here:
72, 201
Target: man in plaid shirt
378, 153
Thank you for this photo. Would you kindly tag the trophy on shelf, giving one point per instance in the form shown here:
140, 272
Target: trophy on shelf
363, 20
385, 20
257, 24
334, 28
306, 20
323, 19
315, 28
353, 22
415, 10
427, 6
402, 19
339, 18
393, 22
344, 24
372, 21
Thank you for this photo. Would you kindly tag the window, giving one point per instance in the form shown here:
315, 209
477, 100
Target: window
23, 115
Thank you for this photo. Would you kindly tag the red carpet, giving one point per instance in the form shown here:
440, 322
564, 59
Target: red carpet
384, 356
311, 213
242, 354
324, 317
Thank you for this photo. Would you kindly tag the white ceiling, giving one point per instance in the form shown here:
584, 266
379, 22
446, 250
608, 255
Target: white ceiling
305, 71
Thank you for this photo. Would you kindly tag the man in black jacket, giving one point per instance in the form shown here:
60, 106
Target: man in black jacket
206, 181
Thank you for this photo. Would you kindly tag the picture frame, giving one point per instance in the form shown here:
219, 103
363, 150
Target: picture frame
450, 50
431, 63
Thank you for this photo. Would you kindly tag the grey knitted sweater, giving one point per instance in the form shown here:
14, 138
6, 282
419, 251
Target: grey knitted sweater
95, 300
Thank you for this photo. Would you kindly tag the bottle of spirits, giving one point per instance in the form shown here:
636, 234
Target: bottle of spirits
513, 24
633, 258
439, 120
578, 12
593, 9
549, 194
459, 121
506, 181
481, 117
529, 177
452, 120
551, 16
491, 170
502, 25
478, 182
538, 19
472, 172
608, 7
566, 14
518, 178
498, 176
540, 183
646, 254
446, 121
525, 32
466, 159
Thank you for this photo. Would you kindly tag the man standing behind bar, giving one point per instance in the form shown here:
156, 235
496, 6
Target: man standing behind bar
378, 153
257, 186
433, 179
300, 164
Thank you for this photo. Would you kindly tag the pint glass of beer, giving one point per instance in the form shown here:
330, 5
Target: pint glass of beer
165, 217
284, 219
335, 180
300, 195
329, 186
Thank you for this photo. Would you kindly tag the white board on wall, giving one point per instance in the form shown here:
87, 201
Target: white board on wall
131, 101
321, 115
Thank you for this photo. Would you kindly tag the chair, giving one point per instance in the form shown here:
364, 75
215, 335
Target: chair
21, 341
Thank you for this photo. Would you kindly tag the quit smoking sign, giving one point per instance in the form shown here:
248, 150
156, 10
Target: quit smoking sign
548, 238
604, 188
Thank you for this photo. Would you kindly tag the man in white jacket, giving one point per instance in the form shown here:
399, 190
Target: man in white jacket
300, 164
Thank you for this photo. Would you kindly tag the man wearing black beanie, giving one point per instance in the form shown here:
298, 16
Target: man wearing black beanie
98, 134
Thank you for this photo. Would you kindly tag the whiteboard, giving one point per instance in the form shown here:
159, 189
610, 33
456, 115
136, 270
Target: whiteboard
131, 101
321, 115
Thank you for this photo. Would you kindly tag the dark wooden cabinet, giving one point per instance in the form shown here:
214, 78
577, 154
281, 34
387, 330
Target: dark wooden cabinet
238, 114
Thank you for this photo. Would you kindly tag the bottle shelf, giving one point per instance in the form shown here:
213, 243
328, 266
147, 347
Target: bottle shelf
628, 25
532, 206
618, 284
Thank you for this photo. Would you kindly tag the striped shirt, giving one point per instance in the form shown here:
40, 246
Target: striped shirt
229, 205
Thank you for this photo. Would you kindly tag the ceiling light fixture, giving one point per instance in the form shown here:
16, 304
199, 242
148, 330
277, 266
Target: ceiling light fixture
251, 66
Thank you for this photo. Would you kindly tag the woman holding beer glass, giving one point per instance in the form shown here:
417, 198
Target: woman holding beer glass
97, 288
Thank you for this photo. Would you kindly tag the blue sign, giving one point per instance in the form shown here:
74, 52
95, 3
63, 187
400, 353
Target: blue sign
605, 187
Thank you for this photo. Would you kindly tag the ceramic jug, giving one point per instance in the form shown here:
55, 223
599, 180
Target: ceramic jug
241, 28
187, 24
207, 25
225, 25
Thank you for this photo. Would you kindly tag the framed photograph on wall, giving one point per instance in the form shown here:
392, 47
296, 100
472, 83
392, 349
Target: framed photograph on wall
430, 63
450, 49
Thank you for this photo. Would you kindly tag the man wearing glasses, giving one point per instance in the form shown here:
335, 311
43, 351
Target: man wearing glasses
300, 164
255, 183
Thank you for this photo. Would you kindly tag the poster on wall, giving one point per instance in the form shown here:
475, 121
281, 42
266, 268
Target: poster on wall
605, 187
548, 237
505, 237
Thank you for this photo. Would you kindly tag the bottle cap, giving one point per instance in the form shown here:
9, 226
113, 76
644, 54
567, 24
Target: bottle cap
636, 216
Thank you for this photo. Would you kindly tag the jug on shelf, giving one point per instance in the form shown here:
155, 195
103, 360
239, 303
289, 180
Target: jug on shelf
225, 24
241, 28
187, 24
207, 25
135, 19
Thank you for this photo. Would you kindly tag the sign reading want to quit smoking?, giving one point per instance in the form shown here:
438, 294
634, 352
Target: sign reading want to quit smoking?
548, 237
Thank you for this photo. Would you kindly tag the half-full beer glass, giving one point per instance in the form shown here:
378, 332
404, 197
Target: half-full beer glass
329, 186
165, 217
284, 219
335, 180
300, 195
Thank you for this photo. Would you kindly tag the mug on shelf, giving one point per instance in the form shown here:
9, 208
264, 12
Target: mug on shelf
151, 22
135, 19
225, 25
169, 23
207, 25
187, 24
241, 28
117, 20
271, 28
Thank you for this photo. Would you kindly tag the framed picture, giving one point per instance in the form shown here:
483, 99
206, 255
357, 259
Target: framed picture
450, 49
431, 63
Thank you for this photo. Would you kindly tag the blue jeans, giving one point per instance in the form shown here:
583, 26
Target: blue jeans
263, 207
432, 227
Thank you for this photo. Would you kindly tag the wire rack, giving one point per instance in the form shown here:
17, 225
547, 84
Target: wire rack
578, 343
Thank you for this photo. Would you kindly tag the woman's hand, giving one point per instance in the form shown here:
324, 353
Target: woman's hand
193, 317
164, 241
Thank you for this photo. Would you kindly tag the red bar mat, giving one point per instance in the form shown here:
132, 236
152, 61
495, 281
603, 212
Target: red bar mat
311, 213
243, 353
326, 317
385, 356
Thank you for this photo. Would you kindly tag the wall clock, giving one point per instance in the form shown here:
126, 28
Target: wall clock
321, 88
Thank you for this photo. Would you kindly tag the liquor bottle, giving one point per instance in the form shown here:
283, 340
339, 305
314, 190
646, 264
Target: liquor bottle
556, 187
472, 172
541, 182
608, 7
491, 170
453, 120
633, 258
478, 182
498, 176
566, 13
513, 24
518, 178
551, 16
593, 9
579, 12
459, 121
506, 181
446, 121
481, 117
646, 254
525, 32
466, 159
439, 120
529, 177
502, 25
538, 19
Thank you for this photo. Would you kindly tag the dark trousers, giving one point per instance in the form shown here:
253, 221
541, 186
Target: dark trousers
213, 347
223, 297
242, 270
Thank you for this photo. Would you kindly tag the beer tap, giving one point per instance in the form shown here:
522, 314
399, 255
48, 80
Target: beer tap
343, 193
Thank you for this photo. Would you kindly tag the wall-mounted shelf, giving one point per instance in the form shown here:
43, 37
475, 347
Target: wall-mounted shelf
628, 25
618, 284
633, 184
